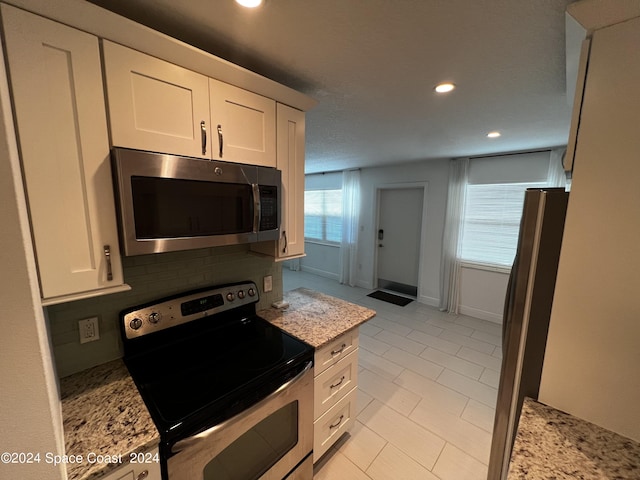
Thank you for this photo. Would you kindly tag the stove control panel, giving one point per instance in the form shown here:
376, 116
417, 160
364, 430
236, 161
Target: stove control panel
193, 305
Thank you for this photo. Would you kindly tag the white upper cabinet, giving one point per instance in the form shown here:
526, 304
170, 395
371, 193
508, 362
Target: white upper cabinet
56, 80
243, 125
155, 105
290, 161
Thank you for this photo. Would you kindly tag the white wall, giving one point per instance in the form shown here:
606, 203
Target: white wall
482, 292
436, 174
320, 259
30, 416
592, 362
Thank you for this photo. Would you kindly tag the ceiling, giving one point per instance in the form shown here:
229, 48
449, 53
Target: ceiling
372, 66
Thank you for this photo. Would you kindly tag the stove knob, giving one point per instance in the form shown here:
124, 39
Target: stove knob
136, 323
231, 297
154, 317
251, 292
240, 294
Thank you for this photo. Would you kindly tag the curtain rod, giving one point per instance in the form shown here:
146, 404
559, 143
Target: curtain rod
335, 171
514, 153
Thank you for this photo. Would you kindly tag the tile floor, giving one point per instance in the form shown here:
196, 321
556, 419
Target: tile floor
426, 396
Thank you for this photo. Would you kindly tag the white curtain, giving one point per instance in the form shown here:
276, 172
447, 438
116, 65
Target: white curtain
350, 226
557, 176
449, 265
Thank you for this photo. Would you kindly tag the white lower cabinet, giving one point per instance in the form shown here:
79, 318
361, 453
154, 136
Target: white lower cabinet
146, 470
335, 387
56, 81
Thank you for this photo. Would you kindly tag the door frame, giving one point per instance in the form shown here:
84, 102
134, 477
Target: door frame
423, 228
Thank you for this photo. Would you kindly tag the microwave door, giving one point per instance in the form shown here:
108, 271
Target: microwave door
169, 203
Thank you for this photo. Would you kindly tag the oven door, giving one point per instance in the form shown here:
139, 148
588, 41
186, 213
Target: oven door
267, 441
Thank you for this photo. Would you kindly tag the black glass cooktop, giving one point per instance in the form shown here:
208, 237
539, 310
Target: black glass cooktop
201, 377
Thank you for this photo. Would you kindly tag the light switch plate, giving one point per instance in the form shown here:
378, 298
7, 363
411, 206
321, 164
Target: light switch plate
267, 284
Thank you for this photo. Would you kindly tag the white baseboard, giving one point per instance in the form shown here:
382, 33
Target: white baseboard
481, 314
433, 302
320, 273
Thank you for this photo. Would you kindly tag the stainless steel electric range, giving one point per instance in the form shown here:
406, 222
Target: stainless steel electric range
231, 394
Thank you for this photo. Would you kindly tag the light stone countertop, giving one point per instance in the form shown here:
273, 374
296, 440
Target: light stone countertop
103, 414
316, 318
551, 444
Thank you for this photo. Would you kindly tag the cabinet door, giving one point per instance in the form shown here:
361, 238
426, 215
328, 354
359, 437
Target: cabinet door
155, 105
243, 125
567, 161
290, 125
290, 148
59, 107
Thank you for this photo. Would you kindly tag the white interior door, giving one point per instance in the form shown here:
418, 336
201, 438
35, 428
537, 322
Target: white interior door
399, 231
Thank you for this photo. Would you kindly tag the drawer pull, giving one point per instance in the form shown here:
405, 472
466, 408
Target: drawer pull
336, 424
337, 384
340, 350
142, 475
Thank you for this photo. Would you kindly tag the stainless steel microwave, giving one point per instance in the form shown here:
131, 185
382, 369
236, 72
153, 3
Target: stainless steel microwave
167, 202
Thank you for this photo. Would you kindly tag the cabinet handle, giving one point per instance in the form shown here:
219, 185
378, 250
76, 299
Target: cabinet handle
334, 425
107, 256
220, 140
286, 243
334, 385
340, 350
142, 475
203, 133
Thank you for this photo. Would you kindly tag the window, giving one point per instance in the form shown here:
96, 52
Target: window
323, 215
491, 222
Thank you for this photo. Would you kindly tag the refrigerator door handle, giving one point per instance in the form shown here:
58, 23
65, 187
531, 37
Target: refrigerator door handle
508, 304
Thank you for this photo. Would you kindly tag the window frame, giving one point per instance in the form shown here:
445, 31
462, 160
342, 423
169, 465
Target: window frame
490, 263
323, 218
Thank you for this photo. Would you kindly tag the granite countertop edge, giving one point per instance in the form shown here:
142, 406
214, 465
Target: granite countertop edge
316, 318
551, 443
104, 415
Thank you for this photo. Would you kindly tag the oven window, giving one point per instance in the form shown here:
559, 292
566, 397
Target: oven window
172, 208
258, 449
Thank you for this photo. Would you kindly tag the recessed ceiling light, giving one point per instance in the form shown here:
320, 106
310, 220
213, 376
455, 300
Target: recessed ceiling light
249, 3
493, 134
444, 87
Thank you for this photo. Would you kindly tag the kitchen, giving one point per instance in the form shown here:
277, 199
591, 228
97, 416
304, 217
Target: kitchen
35, 402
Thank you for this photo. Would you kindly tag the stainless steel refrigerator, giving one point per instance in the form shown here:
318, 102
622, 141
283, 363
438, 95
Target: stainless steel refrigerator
526, 316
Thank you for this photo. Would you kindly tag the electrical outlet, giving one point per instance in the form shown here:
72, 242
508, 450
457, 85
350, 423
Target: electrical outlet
89, 330
267, 284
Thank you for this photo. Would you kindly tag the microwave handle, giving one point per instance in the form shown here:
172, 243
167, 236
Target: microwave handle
256, 207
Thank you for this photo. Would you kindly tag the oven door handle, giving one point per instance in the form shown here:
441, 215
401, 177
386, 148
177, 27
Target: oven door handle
195, 439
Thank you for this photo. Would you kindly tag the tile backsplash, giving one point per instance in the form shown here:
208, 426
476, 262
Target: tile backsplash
152, 277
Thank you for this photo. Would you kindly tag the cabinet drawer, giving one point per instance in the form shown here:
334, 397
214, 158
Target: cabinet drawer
335, 351
332, 384
330, 426
148, 469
